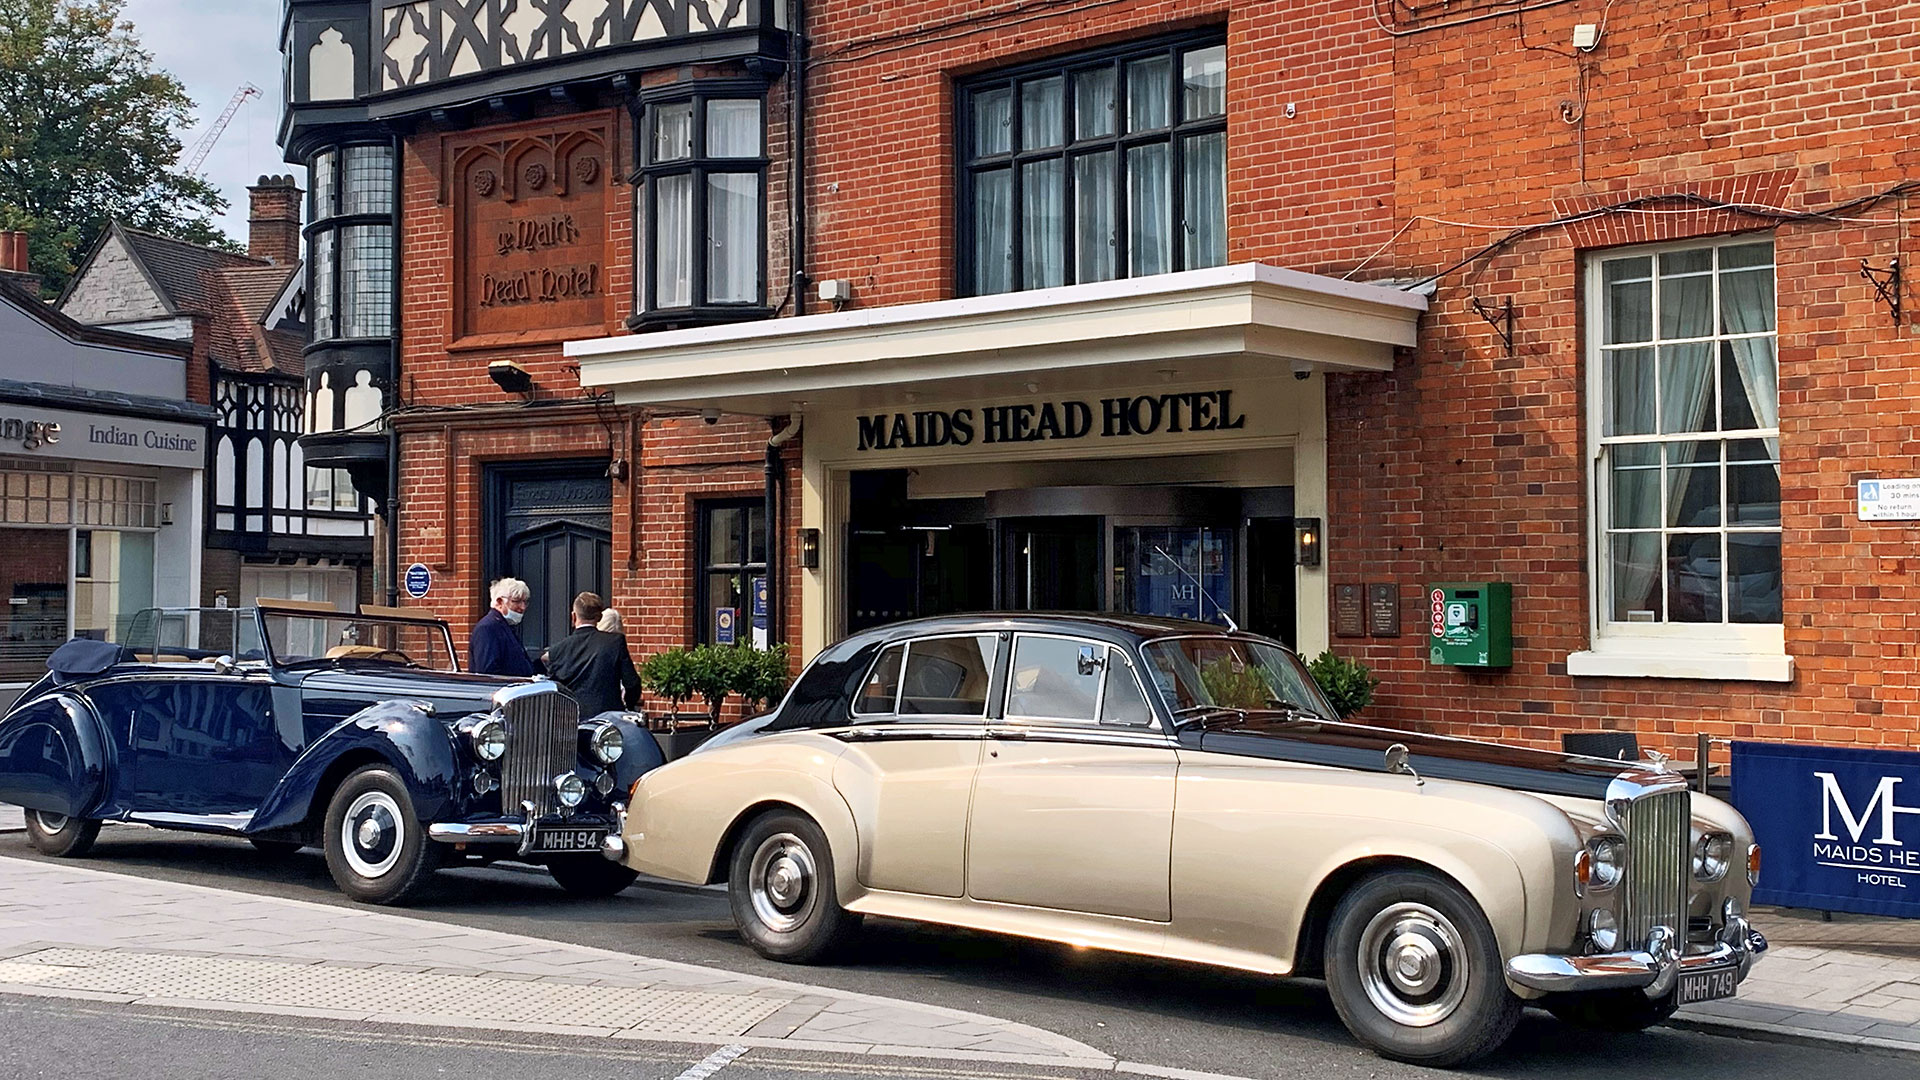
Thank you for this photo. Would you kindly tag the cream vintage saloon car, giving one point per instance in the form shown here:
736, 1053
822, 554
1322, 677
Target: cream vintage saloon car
1177, 790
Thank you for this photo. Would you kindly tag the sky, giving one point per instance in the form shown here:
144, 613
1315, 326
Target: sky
213, 46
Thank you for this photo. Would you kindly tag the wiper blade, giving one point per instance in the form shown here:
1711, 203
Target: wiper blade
1203, 713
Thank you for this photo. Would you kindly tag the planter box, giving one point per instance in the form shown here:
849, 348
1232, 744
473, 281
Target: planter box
684, 731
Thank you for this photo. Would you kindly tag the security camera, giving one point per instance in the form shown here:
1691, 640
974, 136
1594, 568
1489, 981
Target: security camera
1302, 370
711, 416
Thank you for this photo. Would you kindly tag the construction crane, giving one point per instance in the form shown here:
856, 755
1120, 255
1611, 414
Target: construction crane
198, 155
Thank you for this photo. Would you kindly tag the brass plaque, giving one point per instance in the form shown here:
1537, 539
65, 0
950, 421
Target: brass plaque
1349, 611
1383, 609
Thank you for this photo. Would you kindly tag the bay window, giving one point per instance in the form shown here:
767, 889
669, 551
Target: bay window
1100, 166
700, 206
350, 245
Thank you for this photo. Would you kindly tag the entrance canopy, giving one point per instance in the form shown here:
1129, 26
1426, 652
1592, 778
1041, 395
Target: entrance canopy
1243, 321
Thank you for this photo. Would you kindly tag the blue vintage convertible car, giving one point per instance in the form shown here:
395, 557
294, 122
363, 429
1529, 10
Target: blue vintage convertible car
293, 724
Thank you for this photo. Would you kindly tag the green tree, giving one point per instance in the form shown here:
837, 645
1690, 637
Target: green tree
87, 134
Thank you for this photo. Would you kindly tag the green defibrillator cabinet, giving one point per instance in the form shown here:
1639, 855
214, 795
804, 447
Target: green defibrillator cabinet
1471, 624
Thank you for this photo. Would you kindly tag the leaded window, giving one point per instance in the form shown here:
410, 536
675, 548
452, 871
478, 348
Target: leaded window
1104, 165
350, 245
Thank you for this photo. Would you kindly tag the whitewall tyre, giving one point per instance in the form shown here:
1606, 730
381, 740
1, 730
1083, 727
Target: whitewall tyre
377, 849
781, 885
59, 835
1415, 972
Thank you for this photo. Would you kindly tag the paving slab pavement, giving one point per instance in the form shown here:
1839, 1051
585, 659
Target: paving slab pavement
72, 932
12, 819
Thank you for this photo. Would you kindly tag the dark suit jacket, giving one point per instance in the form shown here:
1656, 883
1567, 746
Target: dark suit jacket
595, 667
495, 649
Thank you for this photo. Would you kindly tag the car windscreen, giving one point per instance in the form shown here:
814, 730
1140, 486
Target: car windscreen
162, 635
1198, 673
300, 639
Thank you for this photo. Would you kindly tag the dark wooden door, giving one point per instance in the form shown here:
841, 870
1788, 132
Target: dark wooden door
551, 527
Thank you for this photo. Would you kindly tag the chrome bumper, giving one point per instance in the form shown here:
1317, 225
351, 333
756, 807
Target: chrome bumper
520, 834
1654, 969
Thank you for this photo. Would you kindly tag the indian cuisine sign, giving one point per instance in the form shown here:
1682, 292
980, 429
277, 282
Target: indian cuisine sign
1052, 421
90, 437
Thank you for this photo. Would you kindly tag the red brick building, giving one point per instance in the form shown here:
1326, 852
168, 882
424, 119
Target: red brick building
1114, 304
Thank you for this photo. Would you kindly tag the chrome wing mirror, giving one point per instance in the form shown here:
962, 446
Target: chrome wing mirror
1397, 764
223, 665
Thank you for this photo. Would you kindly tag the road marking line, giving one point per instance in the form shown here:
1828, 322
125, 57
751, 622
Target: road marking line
714, 1062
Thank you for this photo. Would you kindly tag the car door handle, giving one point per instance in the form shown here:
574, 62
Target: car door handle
1006, 733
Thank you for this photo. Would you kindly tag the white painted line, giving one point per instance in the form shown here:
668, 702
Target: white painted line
1137, 1069
713, 1063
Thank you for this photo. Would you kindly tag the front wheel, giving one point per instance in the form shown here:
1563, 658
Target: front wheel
1616, 1011
781, 887
1415, 972
59, 835
377, 849
591, 875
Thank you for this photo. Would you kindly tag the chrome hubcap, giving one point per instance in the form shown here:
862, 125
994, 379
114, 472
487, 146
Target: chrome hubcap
50, 821
781, 885
372, 834
1412, 965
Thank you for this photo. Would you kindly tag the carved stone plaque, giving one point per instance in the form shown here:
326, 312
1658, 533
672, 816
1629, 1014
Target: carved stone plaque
531, 205
1349, 611
1383, 609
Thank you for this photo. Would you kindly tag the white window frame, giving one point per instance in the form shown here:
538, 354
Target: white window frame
1673, 650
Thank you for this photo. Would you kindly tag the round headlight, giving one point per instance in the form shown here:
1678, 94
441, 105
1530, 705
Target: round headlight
1603, 930
607, 744
1608, 858
570, 788
1711, 855
489, 739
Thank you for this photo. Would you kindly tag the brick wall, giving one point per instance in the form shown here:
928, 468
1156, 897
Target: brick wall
1475, 464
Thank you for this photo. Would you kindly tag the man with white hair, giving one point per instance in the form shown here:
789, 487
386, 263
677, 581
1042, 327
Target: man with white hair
494, 648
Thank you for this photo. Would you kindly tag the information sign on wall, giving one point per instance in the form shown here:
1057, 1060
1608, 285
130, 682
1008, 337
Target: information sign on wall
1889, 500
1839, 827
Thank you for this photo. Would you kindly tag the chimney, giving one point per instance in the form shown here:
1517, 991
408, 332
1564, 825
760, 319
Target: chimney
273, 230
14, 261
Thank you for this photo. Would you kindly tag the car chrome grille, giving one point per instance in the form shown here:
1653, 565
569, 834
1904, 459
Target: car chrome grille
543, 733
1655, 890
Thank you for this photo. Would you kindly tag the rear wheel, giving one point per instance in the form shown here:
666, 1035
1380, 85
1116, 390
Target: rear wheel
1617, 1011
781, 886
591, 875
1415, 972
377, 849
59, 835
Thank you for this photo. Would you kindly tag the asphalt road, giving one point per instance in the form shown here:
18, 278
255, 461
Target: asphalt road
1149, 1011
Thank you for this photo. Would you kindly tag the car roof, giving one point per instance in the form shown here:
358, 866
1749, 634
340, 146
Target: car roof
1107, 624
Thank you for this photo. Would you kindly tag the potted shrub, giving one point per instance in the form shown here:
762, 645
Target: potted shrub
763, 678
1347, 683
670, 674
715, 671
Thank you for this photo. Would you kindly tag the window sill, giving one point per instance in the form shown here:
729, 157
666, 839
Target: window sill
1755, 667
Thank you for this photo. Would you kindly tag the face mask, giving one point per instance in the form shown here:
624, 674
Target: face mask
513, 617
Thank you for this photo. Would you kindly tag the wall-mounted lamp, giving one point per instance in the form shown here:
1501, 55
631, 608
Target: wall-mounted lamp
1306, 541
510, 377
166, 513
809, 549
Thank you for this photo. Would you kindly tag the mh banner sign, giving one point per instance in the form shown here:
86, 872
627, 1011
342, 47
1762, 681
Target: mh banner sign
1840, 827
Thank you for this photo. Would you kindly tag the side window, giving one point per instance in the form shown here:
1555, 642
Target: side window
1123, 706
948, 676
1055, 679
882, 688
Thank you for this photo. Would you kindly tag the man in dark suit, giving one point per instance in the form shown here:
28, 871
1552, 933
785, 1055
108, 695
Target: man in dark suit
592, 664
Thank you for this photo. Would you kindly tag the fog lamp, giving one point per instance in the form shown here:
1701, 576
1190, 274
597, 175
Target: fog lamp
1711, 856
484, 783
570, 788
1603, 930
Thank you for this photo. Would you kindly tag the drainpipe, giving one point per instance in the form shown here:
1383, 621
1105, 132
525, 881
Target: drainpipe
796, 153
393, 514
776, 566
